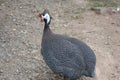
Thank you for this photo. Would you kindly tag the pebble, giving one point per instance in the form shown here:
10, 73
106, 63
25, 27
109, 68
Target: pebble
3, 45
109, 37
106, 43
14, 20
35, 10
119, 78
24, 31
26, 23
20, 7
17, 70
2, 4
1, 71
118, 9
64, 25
34, 51
14, 29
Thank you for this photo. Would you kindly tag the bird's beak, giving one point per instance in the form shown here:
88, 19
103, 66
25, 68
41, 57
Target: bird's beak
41, 17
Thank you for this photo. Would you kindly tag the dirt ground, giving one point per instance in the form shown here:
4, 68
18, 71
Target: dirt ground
21, 32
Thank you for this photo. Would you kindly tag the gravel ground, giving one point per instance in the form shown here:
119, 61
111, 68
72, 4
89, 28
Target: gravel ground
21, 32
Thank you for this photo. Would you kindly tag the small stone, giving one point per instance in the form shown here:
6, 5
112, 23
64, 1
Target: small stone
106, 43
14, 29
24, 31
26, 23
118, 9
1, 72
2, 4
109, 37
21, 7
65, 25
14, 20
34, 51
3, 45
119, 78
35, 10
17, 70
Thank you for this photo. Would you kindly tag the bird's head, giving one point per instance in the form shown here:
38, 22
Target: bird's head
45, 16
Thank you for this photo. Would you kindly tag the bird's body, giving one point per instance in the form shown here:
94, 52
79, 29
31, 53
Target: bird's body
67, 56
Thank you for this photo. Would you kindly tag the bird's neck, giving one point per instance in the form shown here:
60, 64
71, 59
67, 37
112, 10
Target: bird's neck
47, 29
46, 26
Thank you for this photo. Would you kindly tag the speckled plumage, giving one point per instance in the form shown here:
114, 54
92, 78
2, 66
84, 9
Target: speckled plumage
67, 56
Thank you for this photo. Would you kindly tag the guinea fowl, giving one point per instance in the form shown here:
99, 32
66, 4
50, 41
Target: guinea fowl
69, 57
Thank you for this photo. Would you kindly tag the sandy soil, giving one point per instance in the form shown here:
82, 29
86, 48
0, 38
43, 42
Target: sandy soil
21, 32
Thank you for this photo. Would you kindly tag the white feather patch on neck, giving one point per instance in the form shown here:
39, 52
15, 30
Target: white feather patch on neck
47, 17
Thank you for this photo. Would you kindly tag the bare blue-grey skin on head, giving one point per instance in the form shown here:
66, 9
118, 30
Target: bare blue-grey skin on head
64, 55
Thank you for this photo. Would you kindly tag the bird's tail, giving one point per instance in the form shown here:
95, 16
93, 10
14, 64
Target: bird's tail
87, 74
94, 76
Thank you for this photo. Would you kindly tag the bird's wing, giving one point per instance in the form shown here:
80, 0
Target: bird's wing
89, 56
86, 50
64, 57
